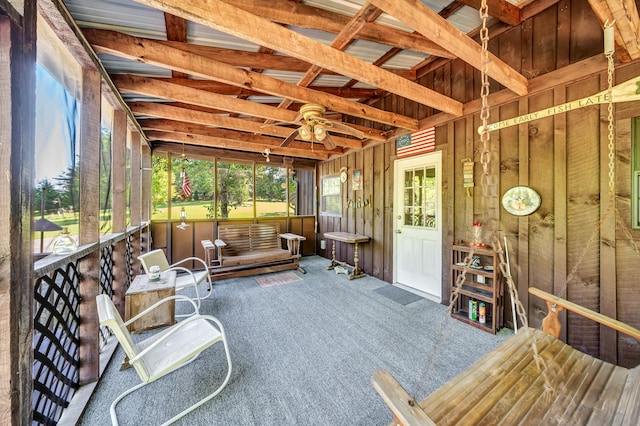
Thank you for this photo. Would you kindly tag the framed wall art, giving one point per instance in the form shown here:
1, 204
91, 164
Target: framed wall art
357, 179
521, 200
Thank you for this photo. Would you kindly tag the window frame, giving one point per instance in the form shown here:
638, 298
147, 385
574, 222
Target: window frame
337, 184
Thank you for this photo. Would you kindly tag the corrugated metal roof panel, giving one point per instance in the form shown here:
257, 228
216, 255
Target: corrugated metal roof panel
120, 15
117, 65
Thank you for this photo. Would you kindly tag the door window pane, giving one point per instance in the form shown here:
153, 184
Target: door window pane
420, 197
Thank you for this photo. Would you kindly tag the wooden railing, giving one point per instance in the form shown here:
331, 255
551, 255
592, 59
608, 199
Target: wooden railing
56, 337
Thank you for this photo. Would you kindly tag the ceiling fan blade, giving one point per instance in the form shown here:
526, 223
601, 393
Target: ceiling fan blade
289, 138
279, 123
343, 128
328, 142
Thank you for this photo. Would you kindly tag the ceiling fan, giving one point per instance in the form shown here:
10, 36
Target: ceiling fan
314, 127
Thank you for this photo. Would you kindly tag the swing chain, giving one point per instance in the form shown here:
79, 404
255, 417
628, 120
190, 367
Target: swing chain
610, 126
485, 155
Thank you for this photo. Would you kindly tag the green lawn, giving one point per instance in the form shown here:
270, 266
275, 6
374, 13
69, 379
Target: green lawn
195, 210
198, 210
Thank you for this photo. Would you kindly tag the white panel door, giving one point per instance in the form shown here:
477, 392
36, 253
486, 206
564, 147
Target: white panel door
418, 225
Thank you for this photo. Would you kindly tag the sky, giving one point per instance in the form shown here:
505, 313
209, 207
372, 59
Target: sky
53, 147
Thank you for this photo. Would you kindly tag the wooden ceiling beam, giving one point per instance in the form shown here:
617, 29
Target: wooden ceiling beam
303, 16
176, 31
160, 89
422, 19
222, 154
148, 51
341, 42
246, 59
232, 144
500, 9
229, 19
627, 23
152, 109
447, 11
227, 89
173, 126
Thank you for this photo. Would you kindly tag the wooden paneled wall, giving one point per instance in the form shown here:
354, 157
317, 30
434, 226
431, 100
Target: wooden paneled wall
563, 157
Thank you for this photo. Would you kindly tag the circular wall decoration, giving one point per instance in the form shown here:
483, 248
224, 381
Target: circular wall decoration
521, 200
343, 177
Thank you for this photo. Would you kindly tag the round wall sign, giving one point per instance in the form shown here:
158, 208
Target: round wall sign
521, 200
343, 177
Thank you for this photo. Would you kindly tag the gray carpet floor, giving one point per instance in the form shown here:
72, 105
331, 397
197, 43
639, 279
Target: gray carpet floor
303, 353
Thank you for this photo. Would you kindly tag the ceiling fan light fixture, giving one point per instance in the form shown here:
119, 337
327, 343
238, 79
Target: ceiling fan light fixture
320, 132
305, 132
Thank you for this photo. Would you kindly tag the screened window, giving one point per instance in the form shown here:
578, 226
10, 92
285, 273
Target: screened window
106, 185
235, 191
57, 154
271, 191
159, 188
331, 196
207, 189
193, 188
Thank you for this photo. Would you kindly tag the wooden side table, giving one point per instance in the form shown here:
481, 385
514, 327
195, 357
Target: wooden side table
293, 244
143, 293
349, 238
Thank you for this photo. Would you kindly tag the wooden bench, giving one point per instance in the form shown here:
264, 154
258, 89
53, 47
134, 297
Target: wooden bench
506, 387
250, 249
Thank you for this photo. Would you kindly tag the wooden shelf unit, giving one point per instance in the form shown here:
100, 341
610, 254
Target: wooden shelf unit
491, 291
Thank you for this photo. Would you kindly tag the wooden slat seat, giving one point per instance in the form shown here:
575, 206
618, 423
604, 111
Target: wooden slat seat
506, 386
250, 249
256, 256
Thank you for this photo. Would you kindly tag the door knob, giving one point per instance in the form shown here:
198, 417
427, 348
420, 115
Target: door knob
398, 231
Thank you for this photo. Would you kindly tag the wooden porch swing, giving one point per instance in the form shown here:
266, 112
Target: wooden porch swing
532, 378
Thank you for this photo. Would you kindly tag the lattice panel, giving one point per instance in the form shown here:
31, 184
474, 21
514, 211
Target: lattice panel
106, 270
106, 285
56, 343
129, 260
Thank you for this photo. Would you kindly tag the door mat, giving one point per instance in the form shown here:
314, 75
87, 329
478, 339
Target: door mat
271, 280
397, 294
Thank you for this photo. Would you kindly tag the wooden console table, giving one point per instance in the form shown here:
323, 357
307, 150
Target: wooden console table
143, 293
349, 238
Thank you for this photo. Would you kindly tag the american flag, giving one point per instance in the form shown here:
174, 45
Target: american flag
186, 184
416, 143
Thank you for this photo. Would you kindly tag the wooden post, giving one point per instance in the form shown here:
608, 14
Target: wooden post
146, 183
17, 135
145, 197
89, 225
118, 211
119, 146
135, 202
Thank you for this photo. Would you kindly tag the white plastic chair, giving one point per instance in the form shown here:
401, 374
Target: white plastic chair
165, 351
191, 278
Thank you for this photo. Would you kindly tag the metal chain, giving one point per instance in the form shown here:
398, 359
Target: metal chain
610, 128
485, 156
